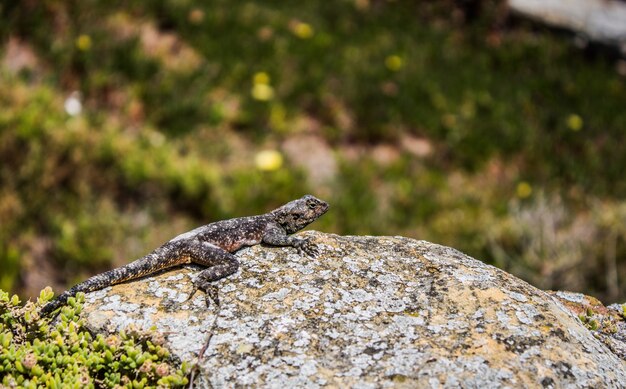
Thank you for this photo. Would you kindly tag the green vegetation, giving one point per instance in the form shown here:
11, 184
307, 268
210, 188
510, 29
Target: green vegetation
468, 129
34, 353
588, 320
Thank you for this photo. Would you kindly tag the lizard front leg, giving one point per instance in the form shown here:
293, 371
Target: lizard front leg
220, 263
278, 237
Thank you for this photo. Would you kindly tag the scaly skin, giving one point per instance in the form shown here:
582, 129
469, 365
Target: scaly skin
212, 246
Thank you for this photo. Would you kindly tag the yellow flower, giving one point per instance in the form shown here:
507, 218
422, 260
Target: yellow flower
268, 160
83, 42
261, 78
574, 122
394, 62
262, 92
523, 190
303, 30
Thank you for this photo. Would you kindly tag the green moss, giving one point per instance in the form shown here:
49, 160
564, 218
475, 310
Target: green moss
36, 353
591, 322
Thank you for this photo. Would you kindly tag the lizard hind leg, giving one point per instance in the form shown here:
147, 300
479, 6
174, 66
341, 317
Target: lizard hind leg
204, 280
220, 263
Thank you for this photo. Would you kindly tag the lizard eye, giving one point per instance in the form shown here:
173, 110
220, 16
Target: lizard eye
311, 205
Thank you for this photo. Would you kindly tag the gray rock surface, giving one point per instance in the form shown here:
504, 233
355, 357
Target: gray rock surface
605, 323
598, 20
367, 312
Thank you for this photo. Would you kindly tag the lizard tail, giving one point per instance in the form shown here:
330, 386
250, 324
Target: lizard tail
148, 264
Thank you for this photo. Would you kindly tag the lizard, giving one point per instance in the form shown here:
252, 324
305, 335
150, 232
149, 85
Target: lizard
212, 245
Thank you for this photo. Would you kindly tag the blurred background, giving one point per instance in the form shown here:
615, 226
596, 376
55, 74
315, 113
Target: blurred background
125, 123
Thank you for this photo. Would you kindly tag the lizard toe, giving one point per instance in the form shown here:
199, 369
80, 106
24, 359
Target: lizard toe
212, 294
309, 249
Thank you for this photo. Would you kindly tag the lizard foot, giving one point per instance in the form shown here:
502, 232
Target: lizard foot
304, 246
211, 292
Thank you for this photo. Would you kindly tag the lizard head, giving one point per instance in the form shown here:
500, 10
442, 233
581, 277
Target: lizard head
297, 214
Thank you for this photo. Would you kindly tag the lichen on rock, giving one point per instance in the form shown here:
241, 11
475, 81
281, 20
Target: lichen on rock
366, 312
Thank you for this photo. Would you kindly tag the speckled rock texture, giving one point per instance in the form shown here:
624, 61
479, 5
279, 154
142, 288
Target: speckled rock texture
368, 312
605, 323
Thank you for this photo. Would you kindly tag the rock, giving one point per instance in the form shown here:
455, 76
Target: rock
367, 312
605, 323
597, 20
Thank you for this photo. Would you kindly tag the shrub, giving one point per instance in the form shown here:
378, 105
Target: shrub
35, 352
